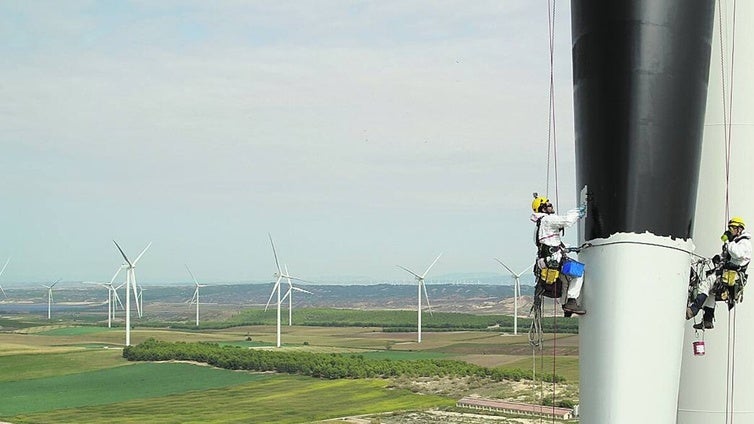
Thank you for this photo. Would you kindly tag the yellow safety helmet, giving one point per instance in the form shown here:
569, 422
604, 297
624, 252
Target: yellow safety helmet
538, 202
736, 221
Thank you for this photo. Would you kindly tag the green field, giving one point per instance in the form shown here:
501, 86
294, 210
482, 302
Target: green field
68, 373
268, 399
25, 367
118, 384
75, 331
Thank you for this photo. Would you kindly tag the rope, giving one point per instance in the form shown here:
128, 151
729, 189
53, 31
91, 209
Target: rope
727, 136
554, 351
733, 368
642, 243
551, 130
535, 329
728, 394
552, 135
536, 337
727, 104
541, 386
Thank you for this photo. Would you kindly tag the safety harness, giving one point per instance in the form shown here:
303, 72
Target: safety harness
547, 269
731, 278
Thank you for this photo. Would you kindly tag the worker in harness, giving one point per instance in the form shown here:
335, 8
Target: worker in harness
725, 282
551, 253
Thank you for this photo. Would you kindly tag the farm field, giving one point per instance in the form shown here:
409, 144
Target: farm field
71, 373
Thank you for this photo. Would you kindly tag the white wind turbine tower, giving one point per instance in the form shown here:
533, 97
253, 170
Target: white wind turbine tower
130, 283
115, 293
112, 302
195, 299
112, 297
49, 296
1, 274
420, 287
516, 292
279, 275
289, 294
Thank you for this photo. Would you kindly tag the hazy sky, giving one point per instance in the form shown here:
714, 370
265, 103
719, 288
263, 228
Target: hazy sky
360, 134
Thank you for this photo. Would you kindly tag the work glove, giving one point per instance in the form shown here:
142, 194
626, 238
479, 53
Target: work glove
727, 236
582, 211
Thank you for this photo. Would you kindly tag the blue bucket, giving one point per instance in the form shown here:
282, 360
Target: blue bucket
573, 268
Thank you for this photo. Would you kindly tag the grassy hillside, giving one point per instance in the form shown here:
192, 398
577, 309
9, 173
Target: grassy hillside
69, 371
282, 399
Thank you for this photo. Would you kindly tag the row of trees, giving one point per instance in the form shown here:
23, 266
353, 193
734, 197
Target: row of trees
388, 320
321, 365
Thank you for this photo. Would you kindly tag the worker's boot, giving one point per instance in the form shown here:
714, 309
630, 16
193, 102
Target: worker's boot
695, 306
572, 307
707, 319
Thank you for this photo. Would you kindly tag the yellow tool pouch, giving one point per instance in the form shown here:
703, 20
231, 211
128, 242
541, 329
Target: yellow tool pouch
729, 277
549, 275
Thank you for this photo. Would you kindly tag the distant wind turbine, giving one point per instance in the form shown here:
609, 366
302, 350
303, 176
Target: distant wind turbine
195, 299
289, 295
130, 283
516, 292
421, 287
112, 296
117, 298
1, 274
49, 296
279, 275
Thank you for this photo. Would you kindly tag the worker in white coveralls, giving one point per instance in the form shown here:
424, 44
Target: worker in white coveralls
551, 249
726, 280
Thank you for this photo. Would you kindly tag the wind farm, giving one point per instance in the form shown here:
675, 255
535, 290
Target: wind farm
368, 138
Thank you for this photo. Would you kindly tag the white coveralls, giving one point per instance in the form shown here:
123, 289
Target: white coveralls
740, 254
550, 227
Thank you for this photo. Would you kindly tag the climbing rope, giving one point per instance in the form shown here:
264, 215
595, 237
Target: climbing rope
554, 351
552, 145
535, 329
730, 366
536, 337
727, 100
552, 140
727, 136
643, 243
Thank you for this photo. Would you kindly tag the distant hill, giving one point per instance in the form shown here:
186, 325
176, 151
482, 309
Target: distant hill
475, 298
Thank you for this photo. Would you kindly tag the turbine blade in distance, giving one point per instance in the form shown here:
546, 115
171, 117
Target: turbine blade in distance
505, 266
120, 268
408, 270
122, 253
426, 296
4, 266
275, 253
433, 264
142, 253
275, 287
301, 290
192, 275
